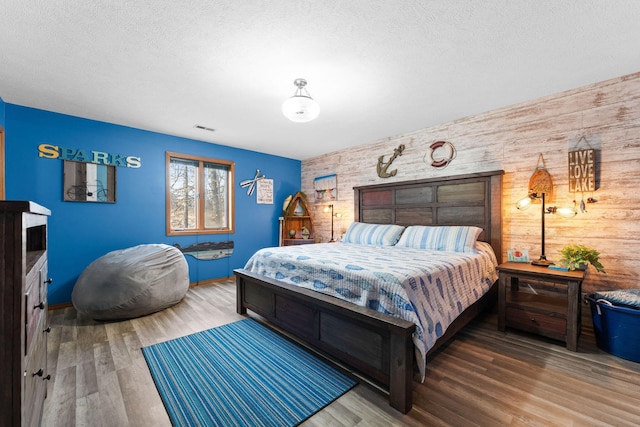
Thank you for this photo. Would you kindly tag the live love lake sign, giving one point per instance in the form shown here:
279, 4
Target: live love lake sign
582, 171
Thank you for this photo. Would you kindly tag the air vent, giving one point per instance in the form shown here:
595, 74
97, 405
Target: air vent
204, 128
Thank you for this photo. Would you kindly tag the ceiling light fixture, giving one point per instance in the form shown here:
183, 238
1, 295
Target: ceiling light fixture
300, 108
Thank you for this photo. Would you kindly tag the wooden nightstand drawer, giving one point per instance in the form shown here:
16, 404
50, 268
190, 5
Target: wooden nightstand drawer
551, 325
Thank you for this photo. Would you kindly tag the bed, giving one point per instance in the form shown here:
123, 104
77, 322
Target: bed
378, 345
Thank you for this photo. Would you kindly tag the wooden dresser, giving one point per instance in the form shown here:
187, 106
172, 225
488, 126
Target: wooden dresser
23, 312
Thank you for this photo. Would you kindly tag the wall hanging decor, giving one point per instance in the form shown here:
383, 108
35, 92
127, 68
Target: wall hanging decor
89, 182
383, 166
251, 183
582, 172
440, 154
325, 188
49, 151
540, 181
264, 195
582, 168
207, 251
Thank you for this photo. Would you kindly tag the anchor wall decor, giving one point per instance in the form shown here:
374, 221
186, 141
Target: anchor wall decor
382, 166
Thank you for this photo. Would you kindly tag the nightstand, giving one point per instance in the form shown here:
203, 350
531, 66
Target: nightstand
541, 300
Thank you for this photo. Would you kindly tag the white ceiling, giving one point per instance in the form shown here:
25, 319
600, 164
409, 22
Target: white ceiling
378, 68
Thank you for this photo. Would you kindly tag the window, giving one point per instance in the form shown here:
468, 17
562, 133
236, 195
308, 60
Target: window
199, 195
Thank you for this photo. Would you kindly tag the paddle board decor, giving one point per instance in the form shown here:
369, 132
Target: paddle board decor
286, 202
250, 184
540, 181
441, 153
207, 251
383, 166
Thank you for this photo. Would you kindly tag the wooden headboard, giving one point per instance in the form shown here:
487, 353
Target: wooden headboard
473, 199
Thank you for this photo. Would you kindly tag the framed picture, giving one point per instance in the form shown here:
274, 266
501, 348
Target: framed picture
325, 188
89, 182
265, 191
514, 255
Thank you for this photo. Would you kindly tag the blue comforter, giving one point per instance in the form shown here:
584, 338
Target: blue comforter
428, 288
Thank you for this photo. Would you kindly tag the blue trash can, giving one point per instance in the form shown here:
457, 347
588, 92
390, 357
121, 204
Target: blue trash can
616, 327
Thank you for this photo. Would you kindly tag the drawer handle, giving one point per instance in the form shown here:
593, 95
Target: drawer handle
40, 306
48, 281
47, 378
533, 319
48, 329
39, 373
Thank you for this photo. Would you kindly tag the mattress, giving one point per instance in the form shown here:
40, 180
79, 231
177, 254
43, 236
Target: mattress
426, 287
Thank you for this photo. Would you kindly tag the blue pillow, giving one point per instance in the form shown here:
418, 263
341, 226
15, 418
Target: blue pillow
373, 234
441, 238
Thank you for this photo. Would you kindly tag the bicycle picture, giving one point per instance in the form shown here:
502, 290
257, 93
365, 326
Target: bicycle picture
85, 191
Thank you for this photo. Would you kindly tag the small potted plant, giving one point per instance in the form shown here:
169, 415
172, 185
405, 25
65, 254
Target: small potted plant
578, 257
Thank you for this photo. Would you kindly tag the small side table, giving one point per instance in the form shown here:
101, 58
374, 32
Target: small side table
541, 300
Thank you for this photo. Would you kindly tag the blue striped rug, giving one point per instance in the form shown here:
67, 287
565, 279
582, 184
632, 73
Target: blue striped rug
241, 374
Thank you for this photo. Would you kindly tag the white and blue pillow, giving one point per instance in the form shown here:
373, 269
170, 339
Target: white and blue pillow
373, 234
441, 238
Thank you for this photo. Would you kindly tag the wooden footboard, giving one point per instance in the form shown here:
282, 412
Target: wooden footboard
375, 344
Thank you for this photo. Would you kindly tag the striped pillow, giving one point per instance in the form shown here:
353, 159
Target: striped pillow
443, 238
373, 234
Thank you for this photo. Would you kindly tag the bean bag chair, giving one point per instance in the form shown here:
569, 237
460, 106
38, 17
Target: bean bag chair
132, 282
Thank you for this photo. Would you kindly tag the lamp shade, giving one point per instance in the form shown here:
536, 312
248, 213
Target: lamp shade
566, 212
524, 203
300, 109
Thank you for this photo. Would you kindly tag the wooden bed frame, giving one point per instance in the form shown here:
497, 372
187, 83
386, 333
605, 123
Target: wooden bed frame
376, 345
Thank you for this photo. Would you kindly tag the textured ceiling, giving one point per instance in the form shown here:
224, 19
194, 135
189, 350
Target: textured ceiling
378, 68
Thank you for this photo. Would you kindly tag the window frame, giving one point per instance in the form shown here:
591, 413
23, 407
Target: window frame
200, 228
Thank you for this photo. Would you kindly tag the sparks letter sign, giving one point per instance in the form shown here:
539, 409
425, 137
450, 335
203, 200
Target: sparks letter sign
49, 151
582, 171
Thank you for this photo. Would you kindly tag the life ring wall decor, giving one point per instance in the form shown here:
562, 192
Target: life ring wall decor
438, 160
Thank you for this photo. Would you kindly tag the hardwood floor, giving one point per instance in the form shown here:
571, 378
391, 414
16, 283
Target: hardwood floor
482, 378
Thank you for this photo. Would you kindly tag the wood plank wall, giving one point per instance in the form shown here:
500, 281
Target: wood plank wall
607, 114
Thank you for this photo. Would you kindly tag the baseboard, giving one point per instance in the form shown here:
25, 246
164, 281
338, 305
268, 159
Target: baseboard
211, 281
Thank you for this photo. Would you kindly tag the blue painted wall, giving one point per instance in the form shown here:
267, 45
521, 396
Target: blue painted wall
80, 232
